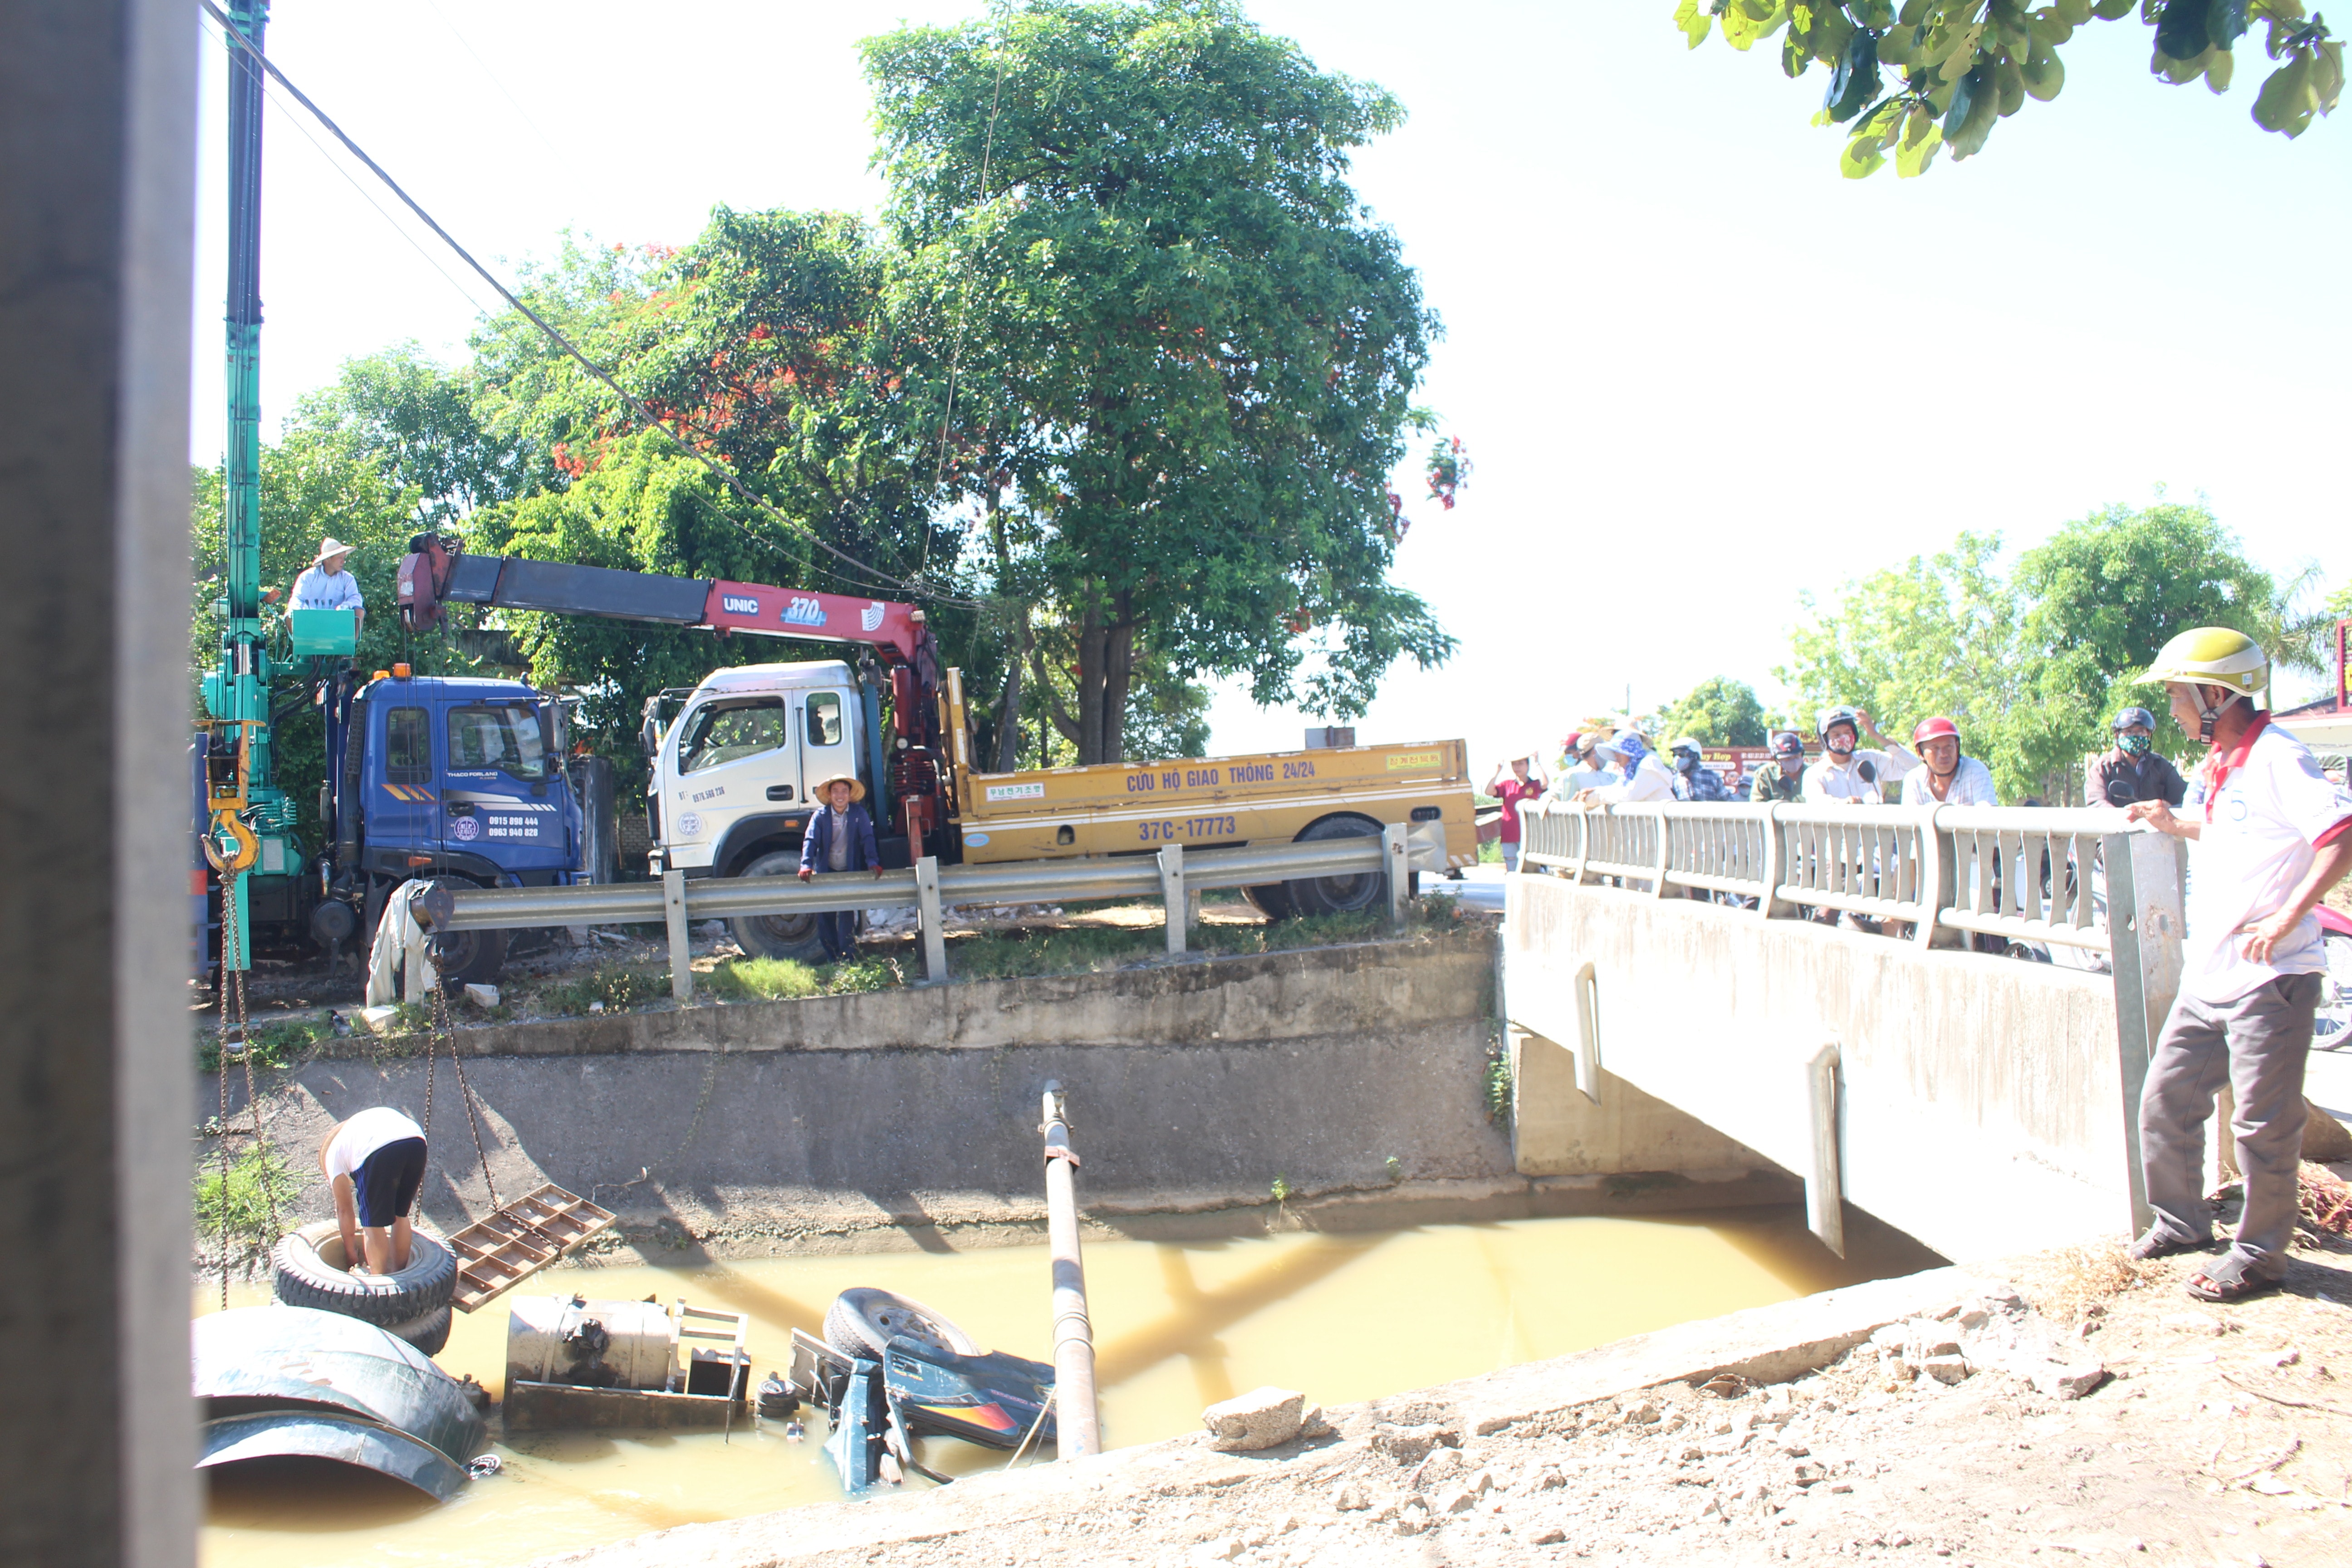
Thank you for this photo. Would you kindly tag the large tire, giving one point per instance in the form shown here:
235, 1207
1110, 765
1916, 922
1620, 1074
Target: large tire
473, 957
304, 1277
428, 1333
778, 936
1270, 899
863, 1321
1339, 895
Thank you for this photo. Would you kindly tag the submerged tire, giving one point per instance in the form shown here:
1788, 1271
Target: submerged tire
303, 1278
778, 936
1339, 895
863, 1321
428, 1333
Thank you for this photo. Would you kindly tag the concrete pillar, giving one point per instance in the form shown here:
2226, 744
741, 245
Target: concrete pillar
96, 186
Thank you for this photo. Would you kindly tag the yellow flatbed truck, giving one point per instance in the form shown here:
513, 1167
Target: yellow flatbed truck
1206, 802
734, 770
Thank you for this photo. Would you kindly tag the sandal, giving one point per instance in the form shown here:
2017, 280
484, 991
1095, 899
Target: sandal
2226, 1282
2155, 1244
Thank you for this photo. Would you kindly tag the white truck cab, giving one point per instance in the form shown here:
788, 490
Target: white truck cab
733, 772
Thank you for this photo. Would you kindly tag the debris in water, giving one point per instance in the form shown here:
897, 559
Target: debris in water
483, 1465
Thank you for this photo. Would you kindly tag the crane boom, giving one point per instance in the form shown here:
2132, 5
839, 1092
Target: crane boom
509, 582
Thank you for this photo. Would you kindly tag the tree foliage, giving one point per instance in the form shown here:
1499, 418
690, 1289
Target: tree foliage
1721, 711
1907, 77
1185, 355
2033, 665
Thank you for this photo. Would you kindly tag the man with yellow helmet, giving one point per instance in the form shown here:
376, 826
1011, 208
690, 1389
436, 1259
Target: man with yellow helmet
2272, 836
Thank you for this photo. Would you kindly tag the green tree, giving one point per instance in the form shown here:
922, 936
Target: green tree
769, 345
1721, 711
1958, 67
2107, 591
2033, 665
417, 418
1184, 355
1936, 634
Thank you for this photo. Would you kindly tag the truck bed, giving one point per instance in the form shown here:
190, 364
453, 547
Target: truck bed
1210, 801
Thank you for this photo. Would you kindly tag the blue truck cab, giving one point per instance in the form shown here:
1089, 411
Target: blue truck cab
457, 778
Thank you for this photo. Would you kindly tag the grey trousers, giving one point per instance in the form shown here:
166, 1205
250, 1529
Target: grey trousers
2257, 1045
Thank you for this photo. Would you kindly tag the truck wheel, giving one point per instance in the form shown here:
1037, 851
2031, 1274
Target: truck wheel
1337, 895
475, 956
307, 1265
1272, 900
778, 936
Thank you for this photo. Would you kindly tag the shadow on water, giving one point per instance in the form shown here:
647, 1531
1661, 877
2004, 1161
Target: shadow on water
1197, 1317
1776, 1241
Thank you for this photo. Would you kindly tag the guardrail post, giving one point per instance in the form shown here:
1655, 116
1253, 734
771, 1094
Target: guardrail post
2144, 922
681, 952
1173, 897
1396, 859
1769, 905
927, 907
1658, 883
1825, 1186
1938, 873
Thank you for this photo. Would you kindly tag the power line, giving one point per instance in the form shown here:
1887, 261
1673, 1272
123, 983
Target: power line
328, 159
637, 409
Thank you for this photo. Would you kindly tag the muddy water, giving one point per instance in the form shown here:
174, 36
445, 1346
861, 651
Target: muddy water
1345, 1317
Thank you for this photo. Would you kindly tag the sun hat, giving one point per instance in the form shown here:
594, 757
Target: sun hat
857, 790
327, 546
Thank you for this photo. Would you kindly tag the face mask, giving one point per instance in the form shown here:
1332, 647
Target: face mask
2134, 745
1684, 761
1841, 745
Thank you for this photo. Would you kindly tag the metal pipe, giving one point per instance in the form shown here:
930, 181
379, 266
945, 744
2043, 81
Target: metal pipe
1077, 1427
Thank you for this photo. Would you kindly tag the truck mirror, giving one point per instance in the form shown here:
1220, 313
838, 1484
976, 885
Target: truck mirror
650, 736
551, 730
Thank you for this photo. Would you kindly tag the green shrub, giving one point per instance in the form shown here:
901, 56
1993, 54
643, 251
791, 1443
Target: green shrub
764, 980
277, 1045
242, 1202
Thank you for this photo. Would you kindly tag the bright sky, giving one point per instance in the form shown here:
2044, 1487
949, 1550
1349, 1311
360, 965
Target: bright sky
1697, 370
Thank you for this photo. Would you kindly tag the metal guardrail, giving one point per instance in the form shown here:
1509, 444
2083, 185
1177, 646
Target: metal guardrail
2028, 874
931, 889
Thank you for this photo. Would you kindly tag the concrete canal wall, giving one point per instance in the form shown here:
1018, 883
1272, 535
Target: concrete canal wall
1350, 1075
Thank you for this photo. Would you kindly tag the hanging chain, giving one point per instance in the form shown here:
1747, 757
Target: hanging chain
442, 1031
232, 983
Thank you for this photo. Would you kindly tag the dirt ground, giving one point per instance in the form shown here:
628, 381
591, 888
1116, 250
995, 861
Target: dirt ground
2206, 1436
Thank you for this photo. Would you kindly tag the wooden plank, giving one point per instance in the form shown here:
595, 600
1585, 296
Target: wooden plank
502, 1249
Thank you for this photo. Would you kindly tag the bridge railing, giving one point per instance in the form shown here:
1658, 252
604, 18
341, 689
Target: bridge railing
2026, 874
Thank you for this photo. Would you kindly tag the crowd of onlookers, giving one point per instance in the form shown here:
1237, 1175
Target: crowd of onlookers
1607, 766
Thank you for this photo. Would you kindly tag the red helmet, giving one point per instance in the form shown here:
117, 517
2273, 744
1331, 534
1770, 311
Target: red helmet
1934, 729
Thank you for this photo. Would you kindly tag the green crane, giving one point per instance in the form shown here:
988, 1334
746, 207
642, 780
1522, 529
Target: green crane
250, 830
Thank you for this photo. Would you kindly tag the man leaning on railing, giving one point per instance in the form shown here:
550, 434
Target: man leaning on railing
2272, 834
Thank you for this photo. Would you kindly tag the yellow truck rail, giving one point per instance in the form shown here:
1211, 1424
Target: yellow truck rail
1204, 802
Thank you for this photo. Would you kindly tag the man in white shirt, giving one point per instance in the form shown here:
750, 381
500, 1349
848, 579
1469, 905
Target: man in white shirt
326, 586
1944, 776
1581, 767
375, 1162
1843, 774
2273, 834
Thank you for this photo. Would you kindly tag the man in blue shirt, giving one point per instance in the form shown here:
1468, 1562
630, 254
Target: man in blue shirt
840, 837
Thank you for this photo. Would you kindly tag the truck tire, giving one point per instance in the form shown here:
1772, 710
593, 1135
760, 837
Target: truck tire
863, 1321
426, 1333
778, 936
303, 1278
1337, 895
1270, 899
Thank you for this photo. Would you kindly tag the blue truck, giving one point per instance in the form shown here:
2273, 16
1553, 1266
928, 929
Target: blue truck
459, 779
